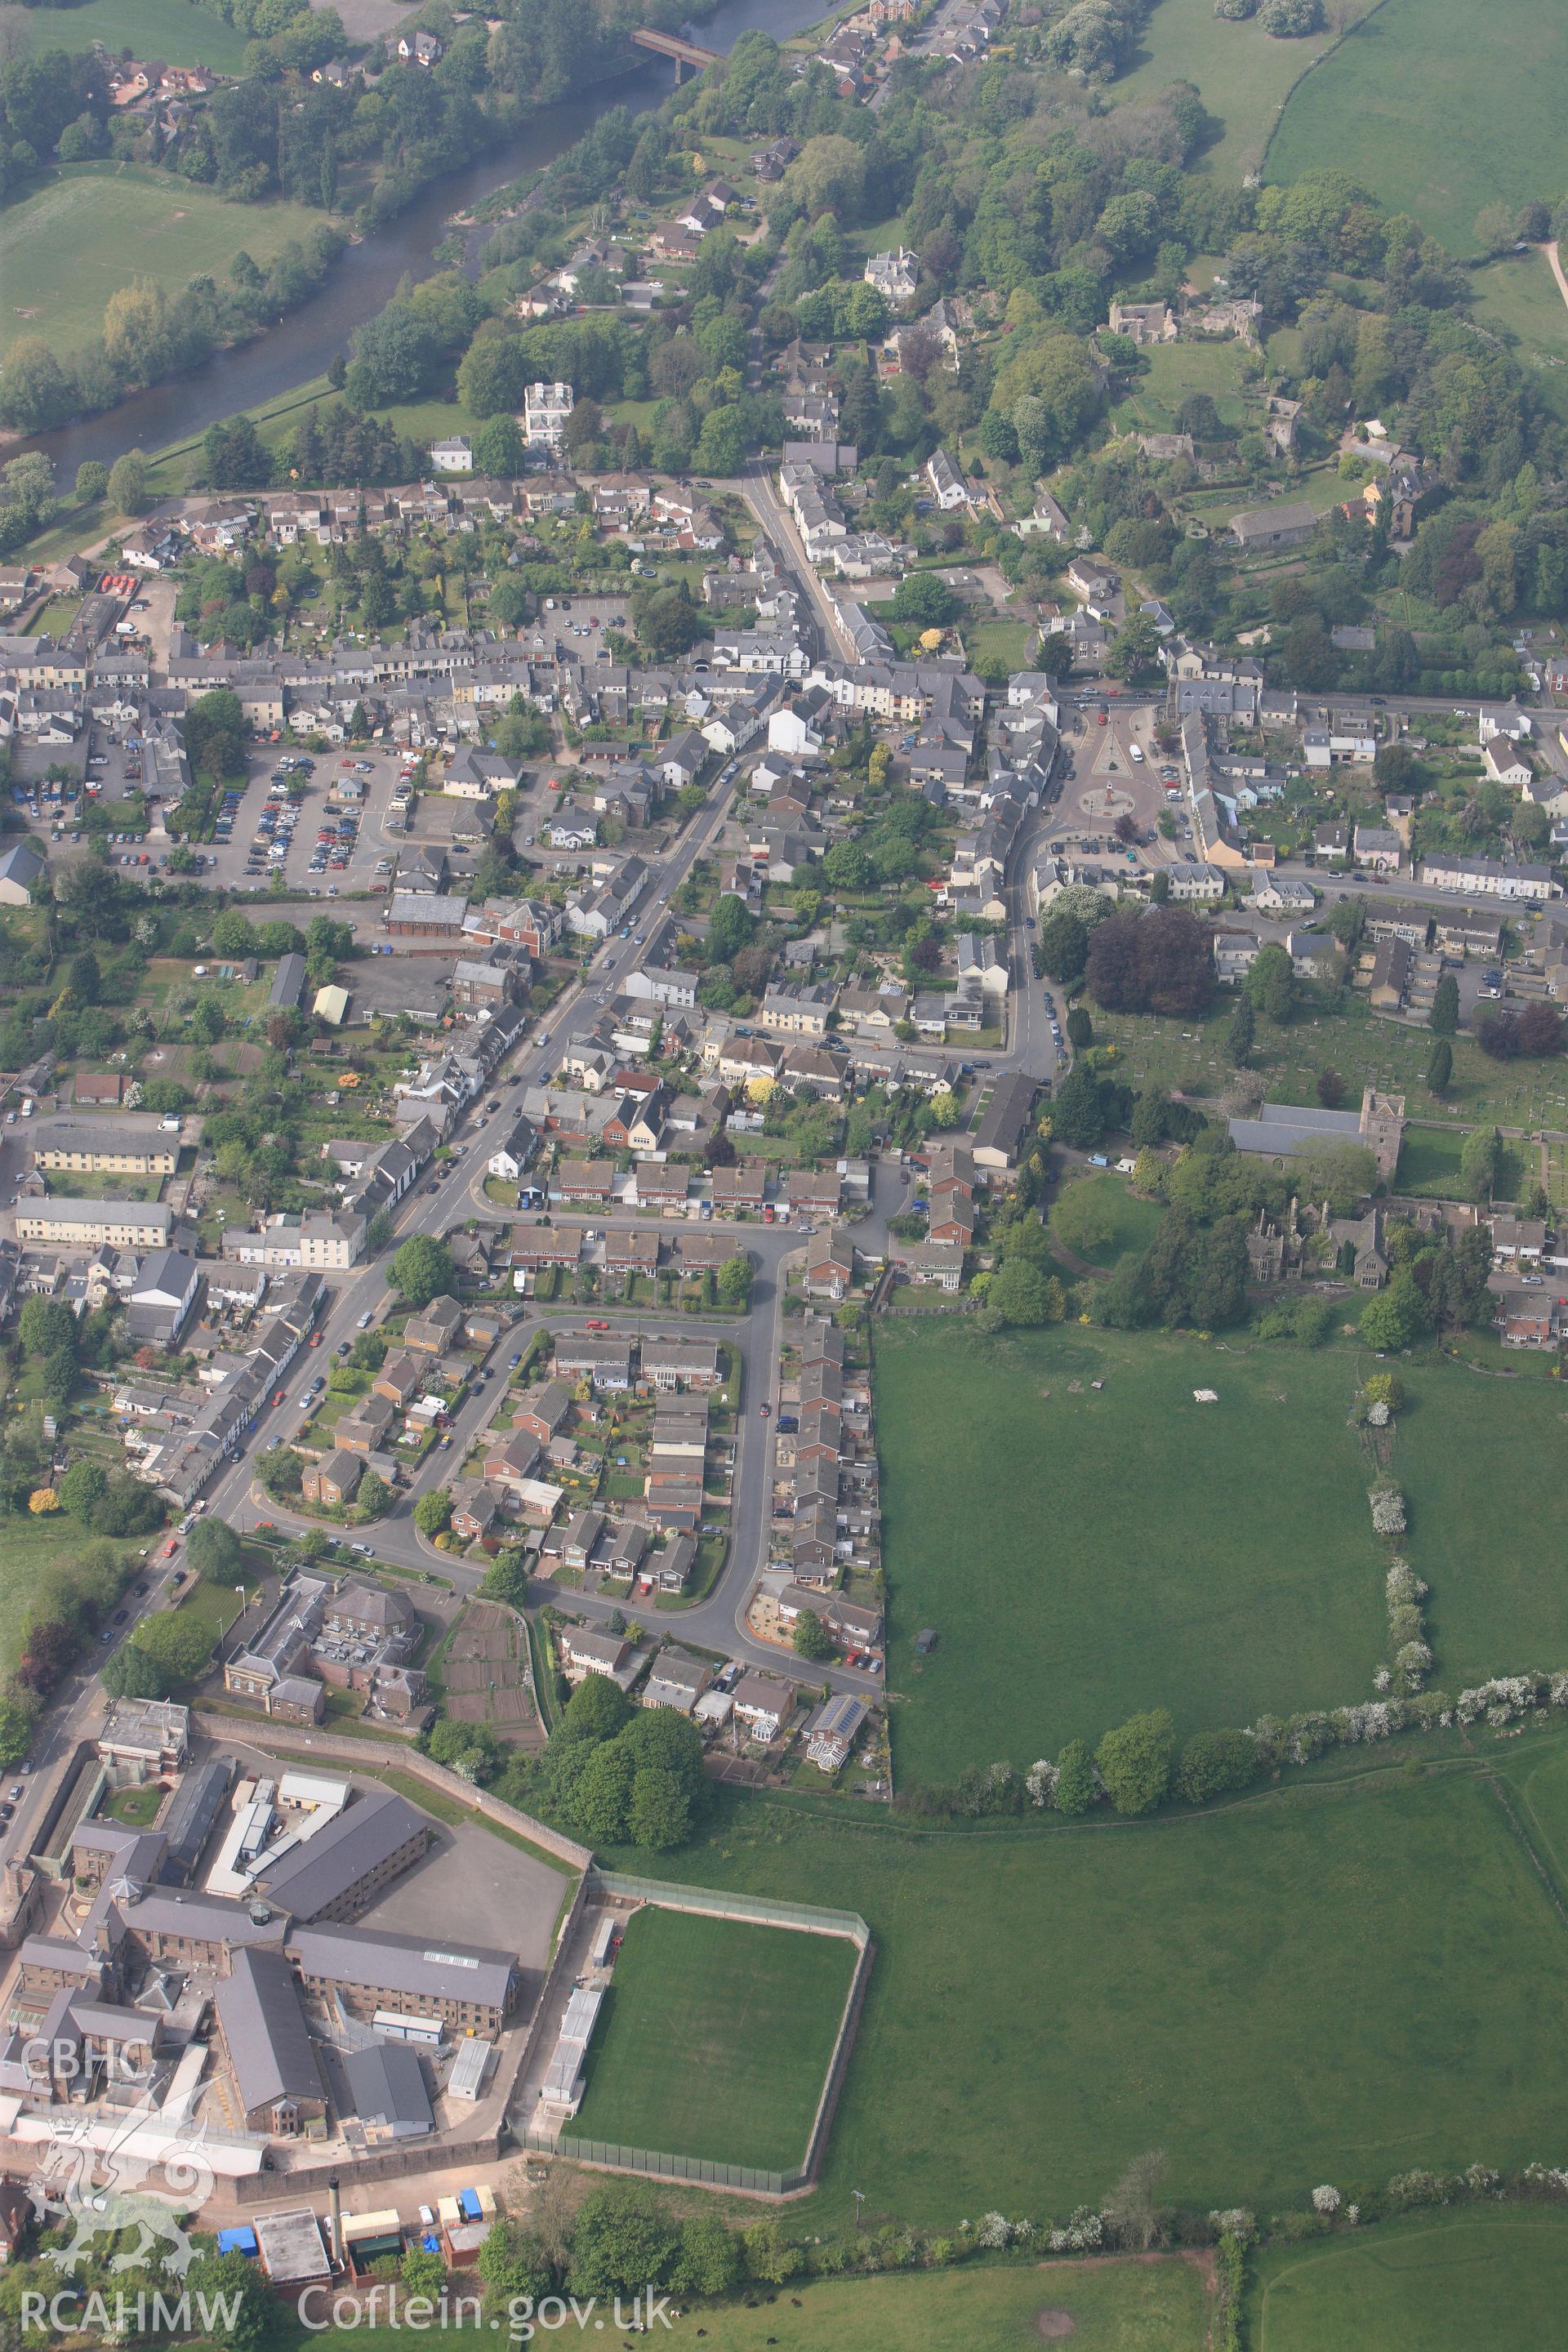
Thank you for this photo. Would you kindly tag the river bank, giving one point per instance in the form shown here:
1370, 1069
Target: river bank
302, 346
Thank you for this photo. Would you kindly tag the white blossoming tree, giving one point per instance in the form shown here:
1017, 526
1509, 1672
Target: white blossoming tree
1387, 1509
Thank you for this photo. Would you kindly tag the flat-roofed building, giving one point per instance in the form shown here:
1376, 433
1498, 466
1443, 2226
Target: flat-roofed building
149, 1734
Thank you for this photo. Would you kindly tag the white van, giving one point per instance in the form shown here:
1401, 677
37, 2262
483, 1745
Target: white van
1135, 755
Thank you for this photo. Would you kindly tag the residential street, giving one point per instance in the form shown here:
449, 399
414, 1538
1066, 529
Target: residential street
773, 516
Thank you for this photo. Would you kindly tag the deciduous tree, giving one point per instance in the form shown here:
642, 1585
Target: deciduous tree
1134, 1761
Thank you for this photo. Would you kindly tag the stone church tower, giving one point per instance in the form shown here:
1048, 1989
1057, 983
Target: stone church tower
1383, 1129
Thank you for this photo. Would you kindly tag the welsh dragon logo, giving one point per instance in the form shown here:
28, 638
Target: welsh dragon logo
103, 2192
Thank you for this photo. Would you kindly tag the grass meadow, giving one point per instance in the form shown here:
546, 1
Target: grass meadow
1429, 1162
175, 30
715, 2039
1441, 2282
1243, 77
1408, 105
67, 246
1337, 1980
1474, 1455
1115, 2307
1084, 1556
1215, 1559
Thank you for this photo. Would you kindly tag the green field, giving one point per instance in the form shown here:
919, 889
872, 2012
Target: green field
1408, 106
1520, 297
1243, 77
1484, 1528
1174, 371
1123, 1570
1543, 1802
175, 30
1447, 2283
1082, 1557
1336, 1980
1112, 2306
67, 246
715, 2039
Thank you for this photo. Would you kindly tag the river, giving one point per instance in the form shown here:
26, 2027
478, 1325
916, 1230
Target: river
303, 344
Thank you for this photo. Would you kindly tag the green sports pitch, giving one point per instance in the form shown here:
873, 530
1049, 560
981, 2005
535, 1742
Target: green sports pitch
715, 2038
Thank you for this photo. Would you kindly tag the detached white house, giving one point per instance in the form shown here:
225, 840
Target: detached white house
948, 487
455, 456
896, 274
